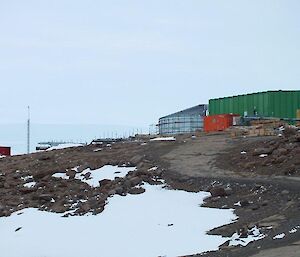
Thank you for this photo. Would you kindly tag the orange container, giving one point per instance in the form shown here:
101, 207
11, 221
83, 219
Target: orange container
218, 122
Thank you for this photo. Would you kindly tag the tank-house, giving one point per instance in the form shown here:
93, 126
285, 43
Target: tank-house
185, 121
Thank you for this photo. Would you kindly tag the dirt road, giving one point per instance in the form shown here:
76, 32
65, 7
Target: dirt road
200, 161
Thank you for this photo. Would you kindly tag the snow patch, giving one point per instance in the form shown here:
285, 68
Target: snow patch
153, 168
254, 234
26, 177
157, 227
60, 175
106, 172
163, 139
263, 155
279, 236
238, 204
30, 184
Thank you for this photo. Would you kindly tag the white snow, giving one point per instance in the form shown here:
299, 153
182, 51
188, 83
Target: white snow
25, 178
163, 139
159, 222
60, 175
263, 155
29, 184
153, 168
294, 230
237, 240
106, 172
62, 146
280, 236
243, 152
238, 204
97, 150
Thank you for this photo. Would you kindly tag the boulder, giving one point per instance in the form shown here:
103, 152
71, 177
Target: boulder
85, 207
45, 197
136, 190
217, 191
105, 182
87, 175
279, 159
26, 190
135, 181
58, 207
281, 151
71, 173
244, 203
127, 184
262, 150
81, 168
119, 190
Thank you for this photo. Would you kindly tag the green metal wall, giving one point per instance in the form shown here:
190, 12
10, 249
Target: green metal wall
280, 104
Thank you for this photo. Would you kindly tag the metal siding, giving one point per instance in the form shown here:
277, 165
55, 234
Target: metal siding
271, 106
266, 104
231, 104
294, 102
281, 104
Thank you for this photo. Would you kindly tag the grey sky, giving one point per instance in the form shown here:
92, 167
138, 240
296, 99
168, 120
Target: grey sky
130, 62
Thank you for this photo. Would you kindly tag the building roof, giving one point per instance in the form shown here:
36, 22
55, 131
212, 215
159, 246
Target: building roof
262, 92
201, 108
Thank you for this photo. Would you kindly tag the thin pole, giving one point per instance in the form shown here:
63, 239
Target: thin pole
28, 131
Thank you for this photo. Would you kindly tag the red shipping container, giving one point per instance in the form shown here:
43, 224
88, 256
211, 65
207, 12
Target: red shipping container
218, 122
5, 150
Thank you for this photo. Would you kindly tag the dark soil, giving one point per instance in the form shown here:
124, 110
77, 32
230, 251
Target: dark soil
264, 191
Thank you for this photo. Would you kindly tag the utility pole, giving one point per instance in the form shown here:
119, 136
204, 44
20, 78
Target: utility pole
28, 131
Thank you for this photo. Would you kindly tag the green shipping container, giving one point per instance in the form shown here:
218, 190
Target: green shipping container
278, 104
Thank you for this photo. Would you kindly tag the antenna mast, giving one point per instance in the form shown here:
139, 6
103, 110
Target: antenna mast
28, 131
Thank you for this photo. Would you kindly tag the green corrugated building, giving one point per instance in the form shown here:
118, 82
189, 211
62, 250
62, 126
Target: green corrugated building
279, 104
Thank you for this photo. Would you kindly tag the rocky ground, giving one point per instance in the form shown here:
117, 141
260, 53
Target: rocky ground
258, 177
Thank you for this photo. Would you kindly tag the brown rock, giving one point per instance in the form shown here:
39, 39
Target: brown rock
217, 191
26, 190
136, 190
87, 175
45, 197
261, 150
105, 182
71, 173
135, 181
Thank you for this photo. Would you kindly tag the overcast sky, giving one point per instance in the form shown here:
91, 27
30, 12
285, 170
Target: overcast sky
130, 62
